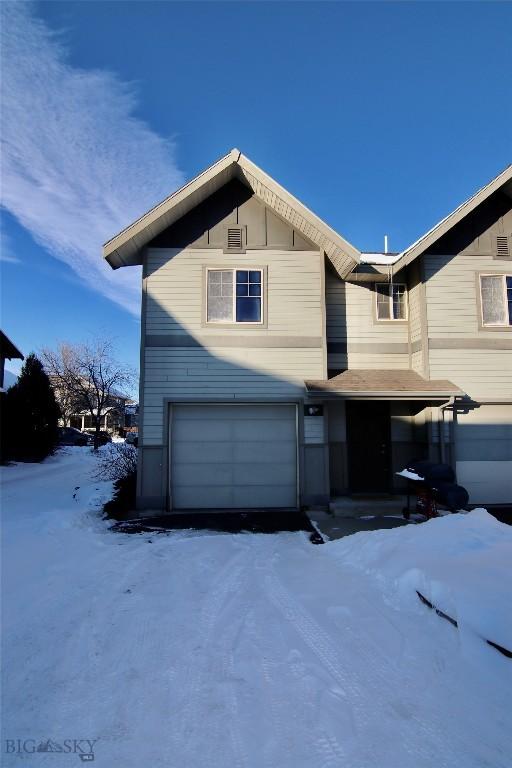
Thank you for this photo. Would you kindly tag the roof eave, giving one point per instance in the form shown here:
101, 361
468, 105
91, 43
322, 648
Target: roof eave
114, 250
385, 394
442, 227
125, 248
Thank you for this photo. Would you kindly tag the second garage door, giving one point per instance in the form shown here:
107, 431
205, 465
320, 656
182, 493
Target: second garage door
233, 456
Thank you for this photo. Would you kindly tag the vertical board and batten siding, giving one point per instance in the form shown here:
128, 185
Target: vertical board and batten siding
351, 320
210, 370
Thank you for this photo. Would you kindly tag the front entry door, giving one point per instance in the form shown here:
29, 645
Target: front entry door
368, 446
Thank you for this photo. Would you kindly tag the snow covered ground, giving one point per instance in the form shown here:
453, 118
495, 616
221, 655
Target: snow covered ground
247, 651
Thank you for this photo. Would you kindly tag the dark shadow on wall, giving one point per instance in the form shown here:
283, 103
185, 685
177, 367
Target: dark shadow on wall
192, 371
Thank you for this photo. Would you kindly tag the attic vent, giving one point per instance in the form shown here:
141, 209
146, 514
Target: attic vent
235, 238
502, 246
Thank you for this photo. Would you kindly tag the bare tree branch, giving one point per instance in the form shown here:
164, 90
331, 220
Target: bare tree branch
116, 461
87, 376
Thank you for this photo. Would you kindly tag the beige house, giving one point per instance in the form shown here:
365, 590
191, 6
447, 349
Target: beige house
281, 367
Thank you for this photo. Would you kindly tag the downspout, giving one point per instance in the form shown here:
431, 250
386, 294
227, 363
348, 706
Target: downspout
441, 422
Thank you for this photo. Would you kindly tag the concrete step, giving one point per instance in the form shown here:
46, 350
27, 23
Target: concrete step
366, 505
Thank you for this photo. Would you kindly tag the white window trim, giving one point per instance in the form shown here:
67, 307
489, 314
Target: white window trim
503, 276
234, 321
390, 299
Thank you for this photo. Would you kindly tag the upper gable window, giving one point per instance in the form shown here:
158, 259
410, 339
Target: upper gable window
391, 301
496, 295
234, 296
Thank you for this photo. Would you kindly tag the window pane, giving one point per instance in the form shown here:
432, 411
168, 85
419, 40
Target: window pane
227, 283
255, 289
493, 305
509, 298
399, 302
220, 296
248, 310
383, 302
242, 289
255, 276
242, 276
220, 309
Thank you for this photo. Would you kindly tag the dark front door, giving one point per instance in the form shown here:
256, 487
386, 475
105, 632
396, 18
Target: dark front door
368, 446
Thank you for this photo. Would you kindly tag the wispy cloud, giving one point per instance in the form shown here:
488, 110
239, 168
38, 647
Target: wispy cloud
78, 166
6, 247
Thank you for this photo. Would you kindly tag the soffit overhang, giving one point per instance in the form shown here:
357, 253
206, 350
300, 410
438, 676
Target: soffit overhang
126, 248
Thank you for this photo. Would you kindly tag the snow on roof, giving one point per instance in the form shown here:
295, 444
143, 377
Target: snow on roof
379, 258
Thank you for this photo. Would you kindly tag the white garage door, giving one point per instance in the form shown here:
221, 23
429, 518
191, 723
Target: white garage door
233, 456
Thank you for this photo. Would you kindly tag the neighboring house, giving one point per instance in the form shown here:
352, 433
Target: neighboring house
115, 417
119, 413
281, 367
131, 416
7, 352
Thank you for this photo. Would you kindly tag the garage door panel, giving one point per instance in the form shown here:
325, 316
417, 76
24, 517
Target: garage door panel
205, 452
258, 452
260, 474
209, 431
208, 474
233, 456
255, 429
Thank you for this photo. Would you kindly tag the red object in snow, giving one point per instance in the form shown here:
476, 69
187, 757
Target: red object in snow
425, 502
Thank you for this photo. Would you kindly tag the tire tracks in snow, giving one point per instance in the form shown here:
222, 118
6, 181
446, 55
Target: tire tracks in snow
220, 593
448, 753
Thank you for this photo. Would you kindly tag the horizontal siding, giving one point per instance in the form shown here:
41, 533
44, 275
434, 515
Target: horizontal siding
350, 315
175, 290
480, 373
415, 299
378, 360
453, 312
452, 294
484, 453
219, 374
337, 361
313, 429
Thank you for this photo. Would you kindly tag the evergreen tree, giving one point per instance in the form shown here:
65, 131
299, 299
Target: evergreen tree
30, 415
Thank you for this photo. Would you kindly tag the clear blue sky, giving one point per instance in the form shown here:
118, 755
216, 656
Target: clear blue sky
381, 117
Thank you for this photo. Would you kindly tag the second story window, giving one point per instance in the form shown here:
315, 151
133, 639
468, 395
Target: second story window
496, 295
391, 301
234, 296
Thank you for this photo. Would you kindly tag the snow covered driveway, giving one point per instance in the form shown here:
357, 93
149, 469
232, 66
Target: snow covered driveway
223, 651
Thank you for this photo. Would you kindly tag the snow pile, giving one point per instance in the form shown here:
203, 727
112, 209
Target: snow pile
460, 563
254, 651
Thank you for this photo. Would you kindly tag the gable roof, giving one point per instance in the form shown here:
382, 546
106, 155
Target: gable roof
502, 180
124, 249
